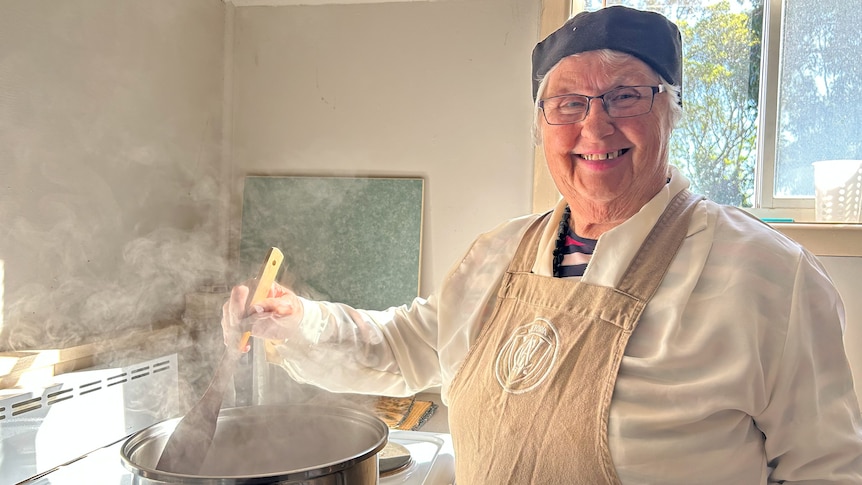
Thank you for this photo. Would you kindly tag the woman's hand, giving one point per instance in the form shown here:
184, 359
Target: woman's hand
232, 314
275, 317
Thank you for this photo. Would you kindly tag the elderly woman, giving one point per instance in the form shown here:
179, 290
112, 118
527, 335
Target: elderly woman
635, 334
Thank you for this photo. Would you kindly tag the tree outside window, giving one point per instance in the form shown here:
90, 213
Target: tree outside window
820, 114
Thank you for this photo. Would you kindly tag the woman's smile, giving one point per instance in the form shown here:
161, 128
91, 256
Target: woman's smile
602, 156
600, 162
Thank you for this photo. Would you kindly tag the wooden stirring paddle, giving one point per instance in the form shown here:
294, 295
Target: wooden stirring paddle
187, 447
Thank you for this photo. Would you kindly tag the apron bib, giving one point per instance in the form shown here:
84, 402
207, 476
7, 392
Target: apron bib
530, 403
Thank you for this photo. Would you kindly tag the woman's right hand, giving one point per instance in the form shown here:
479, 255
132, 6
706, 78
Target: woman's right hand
275, 317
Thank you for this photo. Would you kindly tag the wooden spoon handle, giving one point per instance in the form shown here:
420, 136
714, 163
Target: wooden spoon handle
265, 279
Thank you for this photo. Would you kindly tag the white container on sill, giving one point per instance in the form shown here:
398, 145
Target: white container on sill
838, 191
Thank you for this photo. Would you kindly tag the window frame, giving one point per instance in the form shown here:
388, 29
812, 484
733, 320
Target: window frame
766, 204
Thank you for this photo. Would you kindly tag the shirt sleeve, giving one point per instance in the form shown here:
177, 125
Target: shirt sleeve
812, 420
402, 350
342, 349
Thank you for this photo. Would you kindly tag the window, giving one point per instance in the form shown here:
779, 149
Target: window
819, 90
770, 86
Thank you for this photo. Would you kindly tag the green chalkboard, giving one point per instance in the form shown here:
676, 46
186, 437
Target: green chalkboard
349, 240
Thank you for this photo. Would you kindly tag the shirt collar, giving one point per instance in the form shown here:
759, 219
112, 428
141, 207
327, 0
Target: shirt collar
616, 245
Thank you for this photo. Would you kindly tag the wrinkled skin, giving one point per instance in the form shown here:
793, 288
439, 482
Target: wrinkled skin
603, 193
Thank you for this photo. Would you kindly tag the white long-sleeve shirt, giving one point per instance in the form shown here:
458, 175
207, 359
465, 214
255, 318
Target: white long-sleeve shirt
745, 323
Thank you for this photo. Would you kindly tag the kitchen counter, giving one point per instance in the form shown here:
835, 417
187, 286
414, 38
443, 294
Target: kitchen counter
94, 452
439, 421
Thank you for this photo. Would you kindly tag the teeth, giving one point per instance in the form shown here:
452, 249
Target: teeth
602, 156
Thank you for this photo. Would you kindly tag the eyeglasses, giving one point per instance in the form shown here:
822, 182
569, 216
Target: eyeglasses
622, 102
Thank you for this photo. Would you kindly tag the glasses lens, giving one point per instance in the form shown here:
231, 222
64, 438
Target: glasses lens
562, 110
629, 101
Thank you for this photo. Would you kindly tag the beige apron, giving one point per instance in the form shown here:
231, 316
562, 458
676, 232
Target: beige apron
530, 403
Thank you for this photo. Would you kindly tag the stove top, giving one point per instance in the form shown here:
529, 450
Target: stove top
432, 463
107, 406
43, 428
432, 459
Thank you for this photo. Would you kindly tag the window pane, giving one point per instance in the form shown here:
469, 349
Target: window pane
715, 145
820, 113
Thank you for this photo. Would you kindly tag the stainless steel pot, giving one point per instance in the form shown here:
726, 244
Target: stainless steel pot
284, 444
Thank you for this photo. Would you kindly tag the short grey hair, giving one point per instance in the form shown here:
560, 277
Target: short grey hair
609, 58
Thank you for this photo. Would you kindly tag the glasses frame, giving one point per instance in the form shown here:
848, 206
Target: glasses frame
655, 90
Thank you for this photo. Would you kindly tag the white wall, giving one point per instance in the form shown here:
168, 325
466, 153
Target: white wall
439, 90
110, 162
846, 272
114, 184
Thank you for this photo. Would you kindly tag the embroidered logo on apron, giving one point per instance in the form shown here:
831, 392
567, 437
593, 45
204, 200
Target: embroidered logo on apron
527, 357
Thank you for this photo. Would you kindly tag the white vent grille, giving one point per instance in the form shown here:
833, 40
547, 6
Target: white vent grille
43, 428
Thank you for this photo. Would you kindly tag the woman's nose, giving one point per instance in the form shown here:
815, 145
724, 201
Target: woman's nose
597, 123
596, 113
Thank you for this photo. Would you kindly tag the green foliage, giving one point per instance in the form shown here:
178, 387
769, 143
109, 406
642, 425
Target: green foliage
715, 145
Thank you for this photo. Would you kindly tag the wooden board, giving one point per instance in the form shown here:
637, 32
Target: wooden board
36, 368
350, 240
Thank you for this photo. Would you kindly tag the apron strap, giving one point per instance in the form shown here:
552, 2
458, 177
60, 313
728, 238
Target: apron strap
525, 256
649, 266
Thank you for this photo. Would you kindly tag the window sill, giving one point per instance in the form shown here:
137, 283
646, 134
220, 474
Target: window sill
825, 238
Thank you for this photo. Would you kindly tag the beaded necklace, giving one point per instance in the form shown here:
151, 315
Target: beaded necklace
572, 253
561, 240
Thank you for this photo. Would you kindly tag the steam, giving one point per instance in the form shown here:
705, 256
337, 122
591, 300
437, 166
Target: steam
89, 266
113, 195
112, 189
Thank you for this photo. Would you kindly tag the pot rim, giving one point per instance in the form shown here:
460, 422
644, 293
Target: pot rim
164, 428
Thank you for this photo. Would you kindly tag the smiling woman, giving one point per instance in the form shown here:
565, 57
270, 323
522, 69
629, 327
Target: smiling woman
606, 175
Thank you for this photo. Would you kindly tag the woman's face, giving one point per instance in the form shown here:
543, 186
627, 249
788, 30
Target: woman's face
614, 164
